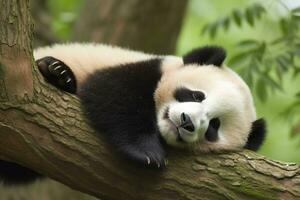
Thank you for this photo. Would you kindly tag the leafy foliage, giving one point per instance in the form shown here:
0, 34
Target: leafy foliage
237, 17
263, 62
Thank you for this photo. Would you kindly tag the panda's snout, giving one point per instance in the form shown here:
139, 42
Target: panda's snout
186, 129
189, 119
186, 122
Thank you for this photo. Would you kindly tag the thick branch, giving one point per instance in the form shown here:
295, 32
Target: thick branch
50, 135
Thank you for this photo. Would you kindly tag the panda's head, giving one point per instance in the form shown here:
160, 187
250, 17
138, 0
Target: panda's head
205, 105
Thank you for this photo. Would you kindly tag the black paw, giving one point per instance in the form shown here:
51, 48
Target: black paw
57, 73
149, 154
151, 159
155, 159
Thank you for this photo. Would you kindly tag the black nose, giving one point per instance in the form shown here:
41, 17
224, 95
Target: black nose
186, 122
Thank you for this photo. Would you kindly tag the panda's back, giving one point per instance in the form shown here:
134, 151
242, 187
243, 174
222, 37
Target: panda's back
84, 59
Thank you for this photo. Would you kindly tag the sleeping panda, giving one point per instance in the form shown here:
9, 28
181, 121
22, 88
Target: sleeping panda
142, 102
138, 100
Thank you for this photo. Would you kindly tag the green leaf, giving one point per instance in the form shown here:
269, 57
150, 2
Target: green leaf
237, 17
239, 59
213, 30
258, 10
278, 40
279, 73
261, 90
260, 52
296, 72
250, 43
249, 16
283, 62
226, 23
266, 77
250, 79
284, 26
290, 109
297, 94
247, 76
205, 29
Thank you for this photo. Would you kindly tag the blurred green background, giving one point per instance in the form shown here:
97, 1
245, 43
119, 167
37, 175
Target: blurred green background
279, 144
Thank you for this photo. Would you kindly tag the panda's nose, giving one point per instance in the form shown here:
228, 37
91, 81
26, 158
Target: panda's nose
186, 122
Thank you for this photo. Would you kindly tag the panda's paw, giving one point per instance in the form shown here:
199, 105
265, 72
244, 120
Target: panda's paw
57, 73
155, 160
150, 157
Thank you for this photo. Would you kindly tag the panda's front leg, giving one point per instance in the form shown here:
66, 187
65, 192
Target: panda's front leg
146, 150
57, 73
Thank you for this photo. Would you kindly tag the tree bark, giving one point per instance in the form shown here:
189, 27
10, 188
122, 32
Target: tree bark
151, 26
44, 129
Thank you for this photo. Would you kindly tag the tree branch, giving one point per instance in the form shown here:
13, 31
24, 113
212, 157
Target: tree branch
44, 129
49, 135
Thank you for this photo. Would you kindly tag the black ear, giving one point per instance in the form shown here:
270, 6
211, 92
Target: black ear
210, 55
257, 135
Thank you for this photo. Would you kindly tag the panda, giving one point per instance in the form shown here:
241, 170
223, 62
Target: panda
142, 103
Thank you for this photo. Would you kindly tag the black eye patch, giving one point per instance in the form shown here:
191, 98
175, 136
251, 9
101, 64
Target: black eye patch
186, 95
212, 130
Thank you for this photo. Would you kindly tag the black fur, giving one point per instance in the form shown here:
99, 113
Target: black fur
13, 174
210, 55
51, 68
212, 132
119, 103
183, 94
257, 135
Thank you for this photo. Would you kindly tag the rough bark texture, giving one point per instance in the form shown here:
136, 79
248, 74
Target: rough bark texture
43, 129
152, 26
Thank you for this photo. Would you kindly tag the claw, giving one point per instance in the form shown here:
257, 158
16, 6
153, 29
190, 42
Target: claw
54, 63
158, 165
148, 160
64, 71
56, 68
166, 162
69, 80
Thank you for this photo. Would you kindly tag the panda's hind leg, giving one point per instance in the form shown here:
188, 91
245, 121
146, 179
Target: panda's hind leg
57, 73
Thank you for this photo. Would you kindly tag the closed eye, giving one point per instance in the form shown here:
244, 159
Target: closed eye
198, 96
186, 95
213, 129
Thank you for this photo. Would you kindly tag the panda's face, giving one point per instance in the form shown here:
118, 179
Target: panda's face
204, 107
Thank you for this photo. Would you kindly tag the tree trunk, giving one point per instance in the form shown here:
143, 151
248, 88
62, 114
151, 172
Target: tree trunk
151, 26
43, 128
